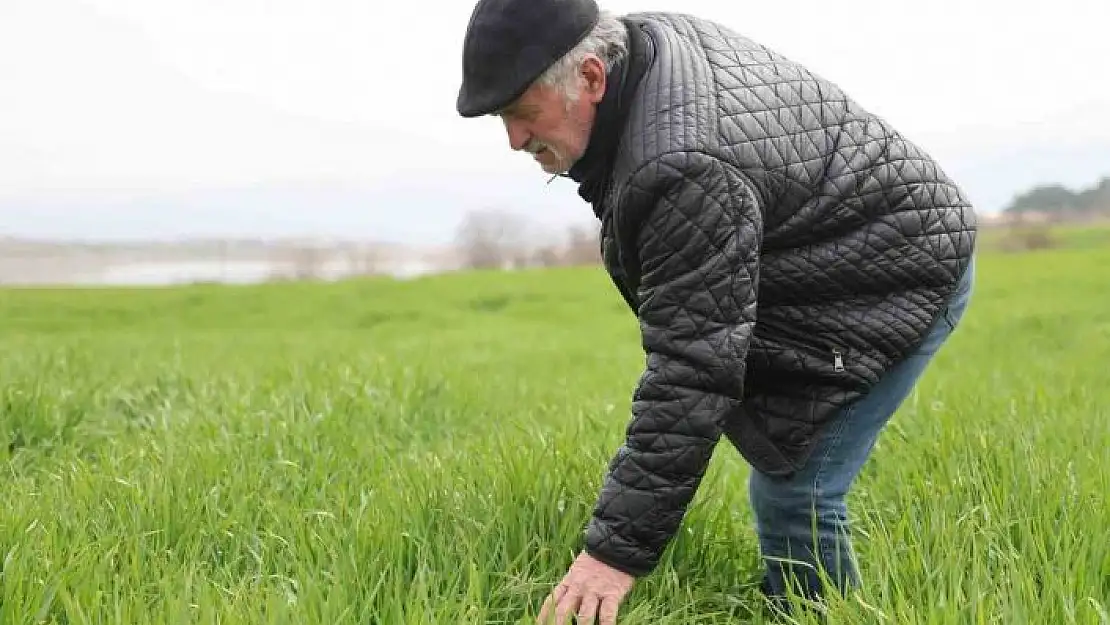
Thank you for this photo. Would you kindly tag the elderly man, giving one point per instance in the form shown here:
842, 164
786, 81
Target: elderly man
793, 262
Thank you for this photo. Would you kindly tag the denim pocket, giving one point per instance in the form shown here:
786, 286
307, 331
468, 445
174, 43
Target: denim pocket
949, 318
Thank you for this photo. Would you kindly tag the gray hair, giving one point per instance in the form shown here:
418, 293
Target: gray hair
608, 40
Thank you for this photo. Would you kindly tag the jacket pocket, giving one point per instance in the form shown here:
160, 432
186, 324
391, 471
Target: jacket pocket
814, 345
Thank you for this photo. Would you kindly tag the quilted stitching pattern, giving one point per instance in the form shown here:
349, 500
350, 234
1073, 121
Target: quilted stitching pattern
781, 247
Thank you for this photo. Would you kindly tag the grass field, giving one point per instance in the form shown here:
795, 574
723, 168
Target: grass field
427, 452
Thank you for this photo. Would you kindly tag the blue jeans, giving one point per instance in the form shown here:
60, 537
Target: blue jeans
788, 510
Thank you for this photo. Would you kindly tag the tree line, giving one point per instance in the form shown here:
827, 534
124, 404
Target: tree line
499, 239
1059, 201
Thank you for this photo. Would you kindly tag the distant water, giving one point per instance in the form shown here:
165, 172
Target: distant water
231, 272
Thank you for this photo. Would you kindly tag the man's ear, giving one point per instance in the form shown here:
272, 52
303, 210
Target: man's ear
593, 73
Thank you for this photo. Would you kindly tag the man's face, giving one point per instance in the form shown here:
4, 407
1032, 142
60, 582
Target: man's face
553, 128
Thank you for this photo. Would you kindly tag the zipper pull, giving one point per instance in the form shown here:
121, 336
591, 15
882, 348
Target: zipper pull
838, 361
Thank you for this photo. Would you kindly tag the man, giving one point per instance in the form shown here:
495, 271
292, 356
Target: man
793, 262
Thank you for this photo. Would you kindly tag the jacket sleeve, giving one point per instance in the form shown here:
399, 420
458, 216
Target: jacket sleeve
696, 228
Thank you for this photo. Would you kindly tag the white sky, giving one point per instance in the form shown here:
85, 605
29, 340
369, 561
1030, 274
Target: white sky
338, 115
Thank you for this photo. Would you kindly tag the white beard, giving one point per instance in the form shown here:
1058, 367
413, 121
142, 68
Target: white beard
562, 163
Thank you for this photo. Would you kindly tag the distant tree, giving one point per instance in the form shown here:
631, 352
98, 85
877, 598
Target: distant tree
1044, 198
546, 256
1095, 199
583, 246
492, 239
365, 259
1058, 200
306, 262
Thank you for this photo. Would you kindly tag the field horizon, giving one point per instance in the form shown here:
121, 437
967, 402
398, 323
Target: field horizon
381, 451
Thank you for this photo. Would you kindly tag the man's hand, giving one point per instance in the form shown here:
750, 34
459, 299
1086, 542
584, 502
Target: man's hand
591, 589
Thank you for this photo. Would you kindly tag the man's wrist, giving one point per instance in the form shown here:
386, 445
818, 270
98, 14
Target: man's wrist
622, 566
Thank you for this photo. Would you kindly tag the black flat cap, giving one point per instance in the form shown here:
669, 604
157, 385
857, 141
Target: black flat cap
510, 43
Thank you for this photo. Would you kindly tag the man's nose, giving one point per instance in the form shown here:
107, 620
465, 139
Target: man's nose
518, 136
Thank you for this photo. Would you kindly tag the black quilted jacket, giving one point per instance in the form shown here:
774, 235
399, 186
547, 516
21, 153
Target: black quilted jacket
780, 246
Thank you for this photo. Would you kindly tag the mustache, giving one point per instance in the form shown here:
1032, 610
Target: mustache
534, 147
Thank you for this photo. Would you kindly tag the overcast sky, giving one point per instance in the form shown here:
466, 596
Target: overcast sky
133, 118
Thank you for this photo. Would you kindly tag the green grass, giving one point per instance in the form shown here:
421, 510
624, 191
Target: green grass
427, 452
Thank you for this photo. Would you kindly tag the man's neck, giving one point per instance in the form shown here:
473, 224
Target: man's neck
592, 169
592, 172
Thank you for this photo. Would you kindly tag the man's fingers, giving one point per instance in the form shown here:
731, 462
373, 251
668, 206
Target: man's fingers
607, 612
567, 605
588, 609
546, 612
